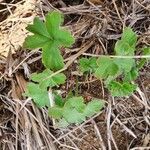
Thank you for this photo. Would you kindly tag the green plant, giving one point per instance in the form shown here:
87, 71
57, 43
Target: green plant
74, 110
38, 90
120, 71
146, 51
51, 37
87, 65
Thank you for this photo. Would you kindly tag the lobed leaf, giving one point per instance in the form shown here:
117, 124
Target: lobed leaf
146, 51
126, 46
93, 107
121, 89
88, 64
55, 112
53, 22
71, 115
50, 37
38, 28
75, 102
59, 100
49, 82
52, 58
62, 123
64, 38
75, 111
123, 48
124, 65
129, 36
35, 41
39, 96
106, 68
132, 75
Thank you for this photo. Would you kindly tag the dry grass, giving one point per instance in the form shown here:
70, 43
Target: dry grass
123, 124
12, 29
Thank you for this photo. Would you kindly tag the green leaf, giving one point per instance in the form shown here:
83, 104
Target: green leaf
35, 41
38, 27
70, 94
53, 22
73, 116
39, 96
55, 112
146, 51
50, 37
129, 36
111, 78
106, 68
93, 107
45, 82
75, 111
123, 48
58, 100
141, 63
121, 89
126, 46
51, 56
132, 75
111, 69
84, 65
125, 65
62, 123
88, 65
64, 38
75, 102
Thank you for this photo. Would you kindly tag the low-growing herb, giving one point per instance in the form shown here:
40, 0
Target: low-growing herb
75, 110
50, 36
119, 73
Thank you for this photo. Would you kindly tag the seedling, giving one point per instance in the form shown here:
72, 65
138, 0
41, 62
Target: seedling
75, 110
119, 73
51, 37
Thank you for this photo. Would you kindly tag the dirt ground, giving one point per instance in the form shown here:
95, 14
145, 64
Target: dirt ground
124, 123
